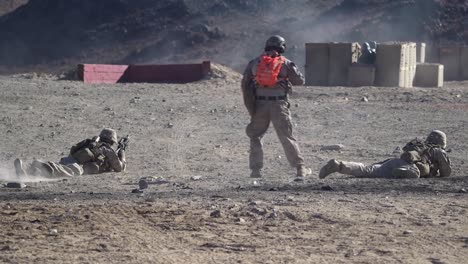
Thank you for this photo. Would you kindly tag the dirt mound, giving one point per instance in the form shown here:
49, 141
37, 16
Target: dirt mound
229, 32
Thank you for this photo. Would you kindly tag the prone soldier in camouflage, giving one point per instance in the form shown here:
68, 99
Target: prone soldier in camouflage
268, 103
420, 159
90, 156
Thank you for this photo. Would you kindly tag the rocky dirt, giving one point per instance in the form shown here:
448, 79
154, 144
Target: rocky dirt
179, 132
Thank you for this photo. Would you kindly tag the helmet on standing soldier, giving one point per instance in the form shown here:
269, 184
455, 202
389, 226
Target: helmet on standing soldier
276, 43
108, 135
437, 137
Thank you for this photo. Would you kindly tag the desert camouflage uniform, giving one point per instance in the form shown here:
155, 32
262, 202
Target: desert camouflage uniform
419, 160
105, 159
270, 104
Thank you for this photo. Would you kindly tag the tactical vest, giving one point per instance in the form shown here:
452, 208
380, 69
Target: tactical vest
417, 152
268, 70
87, 151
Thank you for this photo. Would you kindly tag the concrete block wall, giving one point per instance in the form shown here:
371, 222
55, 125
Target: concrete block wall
421, 52
317, 62
361, 75
450, 57
464, 63
429, 75
391, 64
169, 73
342, 55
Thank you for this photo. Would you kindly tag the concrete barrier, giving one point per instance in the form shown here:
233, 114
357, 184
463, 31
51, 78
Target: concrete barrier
429, 75
432, 53
317, 63
361, 75
412, 62
464, 63
342, 55
392, 65
450, 58
170, 73
421, 52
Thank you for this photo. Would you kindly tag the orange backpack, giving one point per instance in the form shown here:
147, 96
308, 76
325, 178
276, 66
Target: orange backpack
268, 70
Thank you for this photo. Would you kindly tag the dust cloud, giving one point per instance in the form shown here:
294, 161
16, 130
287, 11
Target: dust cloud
7, 174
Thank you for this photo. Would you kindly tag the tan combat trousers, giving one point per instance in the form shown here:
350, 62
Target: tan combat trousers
276, 112
378, 170
54, 169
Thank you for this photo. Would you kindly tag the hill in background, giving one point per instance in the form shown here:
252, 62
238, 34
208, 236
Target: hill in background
54, 35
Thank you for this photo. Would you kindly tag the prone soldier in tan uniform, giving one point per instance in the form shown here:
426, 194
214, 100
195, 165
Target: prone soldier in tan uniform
426, 159
266, 84
90, 156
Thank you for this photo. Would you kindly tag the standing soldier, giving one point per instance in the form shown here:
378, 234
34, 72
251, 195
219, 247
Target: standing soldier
266, 84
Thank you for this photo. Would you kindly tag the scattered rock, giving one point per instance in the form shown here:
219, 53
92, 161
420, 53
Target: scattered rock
240, 220
463, 190
407, 232
364, 99
326, 188
53, 232
143, 184
216, 214
137, 191
397, 150
336, 147
170, 125
196, 178
15, 185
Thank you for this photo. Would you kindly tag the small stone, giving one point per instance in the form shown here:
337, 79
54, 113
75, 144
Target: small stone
336, 147
107, 108
463, 190
28, 108
407, 232
364, 99
216, 214
196, 178
15, 185
137, 191
397, 150
255, 182
218, 146
290, 198
170, 125
143, 184
53, 232
240, 220
326, 188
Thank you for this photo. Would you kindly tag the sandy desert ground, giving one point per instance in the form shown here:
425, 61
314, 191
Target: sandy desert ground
182, 131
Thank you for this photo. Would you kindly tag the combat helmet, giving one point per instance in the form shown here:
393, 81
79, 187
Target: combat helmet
277, 43
108, 135
437, 137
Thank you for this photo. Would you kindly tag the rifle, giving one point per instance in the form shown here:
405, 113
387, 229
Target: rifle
123, 143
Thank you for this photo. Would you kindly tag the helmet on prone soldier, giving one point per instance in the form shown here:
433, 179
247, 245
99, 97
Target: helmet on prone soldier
276, 43
437, 137
108, 135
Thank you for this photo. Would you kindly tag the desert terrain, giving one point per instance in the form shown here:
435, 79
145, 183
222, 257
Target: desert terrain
201, 206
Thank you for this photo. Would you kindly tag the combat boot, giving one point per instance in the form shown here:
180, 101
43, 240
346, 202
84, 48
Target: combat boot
256, 173
332, 166
303, 171
20, 171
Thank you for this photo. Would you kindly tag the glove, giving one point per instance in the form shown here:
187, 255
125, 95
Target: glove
121, 155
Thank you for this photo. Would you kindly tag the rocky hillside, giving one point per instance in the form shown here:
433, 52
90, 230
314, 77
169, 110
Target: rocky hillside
7, 6
54, 35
